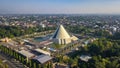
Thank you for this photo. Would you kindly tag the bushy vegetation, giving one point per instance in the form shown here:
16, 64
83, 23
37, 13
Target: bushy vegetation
14, 31
105, 51
105, 54
79, 29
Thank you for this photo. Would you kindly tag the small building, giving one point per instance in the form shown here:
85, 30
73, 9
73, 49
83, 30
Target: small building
42, 59
42, 51
26, 54
5, 39
85, 58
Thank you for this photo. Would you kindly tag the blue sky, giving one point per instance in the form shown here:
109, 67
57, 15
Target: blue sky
59, 6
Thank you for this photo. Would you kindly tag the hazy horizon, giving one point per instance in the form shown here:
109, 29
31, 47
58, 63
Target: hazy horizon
59, 7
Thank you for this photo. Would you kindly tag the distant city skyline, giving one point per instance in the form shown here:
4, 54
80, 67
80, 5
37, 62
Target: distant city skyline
59, 6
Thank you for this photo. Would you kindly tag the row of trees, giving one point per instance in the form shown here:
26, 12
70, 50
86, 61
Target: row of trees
26, 61
13, 31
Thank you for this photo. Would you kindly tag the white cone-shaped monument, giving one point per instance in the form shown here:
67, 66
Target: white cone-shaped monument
61, 36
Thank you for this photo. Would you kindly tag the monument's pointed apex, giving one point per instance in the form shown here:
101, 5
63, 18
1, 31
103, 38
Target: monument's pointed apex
61, 33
